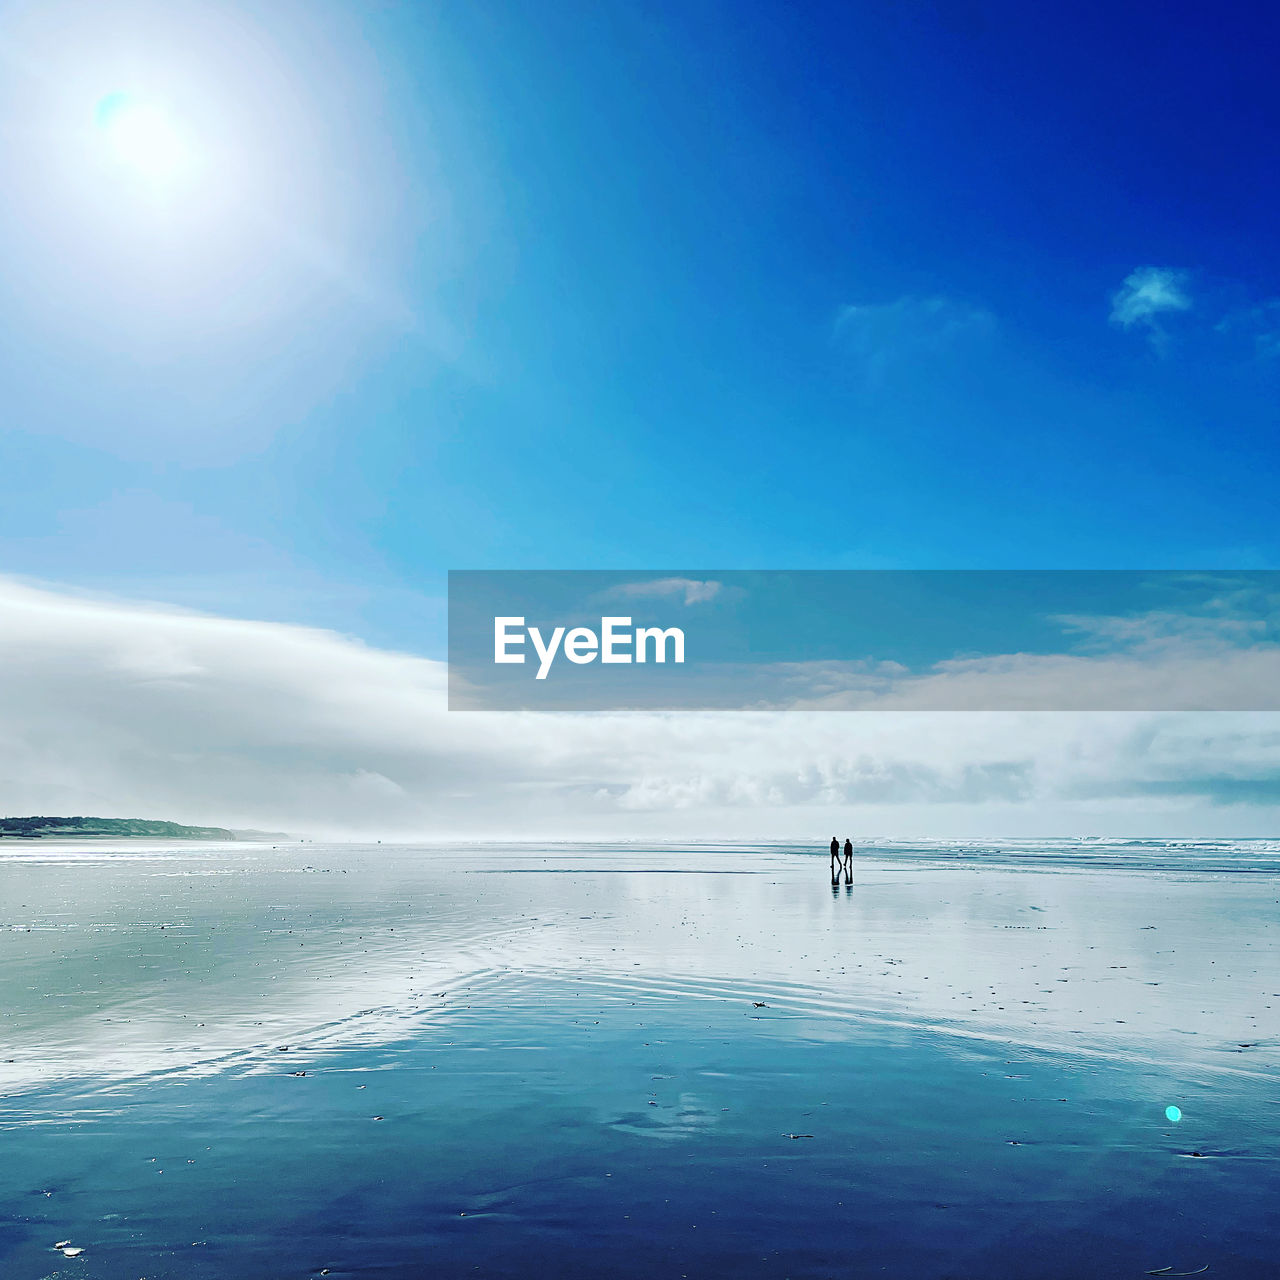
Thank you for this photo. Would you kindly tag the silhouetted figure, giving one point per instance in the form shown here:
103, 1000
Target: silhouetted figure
841, 862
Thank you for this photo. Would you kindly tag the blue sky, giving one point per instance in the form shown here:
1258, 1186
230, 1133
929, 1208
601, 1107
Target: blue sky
620, 286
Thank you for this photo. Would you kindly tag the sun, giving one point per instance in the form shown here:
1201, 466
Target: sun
140, 136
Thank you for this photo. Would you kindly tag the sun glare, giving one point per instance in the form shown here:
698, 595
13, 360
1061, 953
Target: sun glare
141, 137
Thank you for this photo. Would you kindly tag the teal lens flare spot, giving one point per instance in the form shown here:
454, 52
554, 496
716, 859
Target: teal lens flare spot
109, 107
1173, 1113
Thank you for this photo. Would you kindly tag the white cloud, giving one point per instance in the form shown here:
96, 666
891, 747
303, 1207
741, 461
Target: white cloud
693, 590
119, 709
1177, 677
1147, 662
1147, 294
900, 335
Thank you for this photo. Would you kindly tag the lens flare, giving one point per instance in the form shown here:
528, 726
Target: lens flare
1173, 1113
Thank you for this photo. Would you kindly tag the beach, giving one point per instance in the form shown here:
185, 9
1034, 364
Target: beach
1002, 1059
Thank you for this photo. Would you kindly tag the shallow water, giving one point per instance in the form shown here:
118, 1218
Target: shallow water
240, 1061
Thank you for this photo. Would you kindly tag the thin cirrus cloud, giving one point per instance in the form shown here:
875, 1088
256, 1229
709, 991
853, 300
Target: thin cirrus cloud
115, 708
1148, 293
1258, 324
889, 337
691, 590
1150, 296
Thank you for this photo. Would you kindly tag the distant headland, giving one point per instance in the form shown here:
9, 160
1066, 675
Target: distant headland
38, 828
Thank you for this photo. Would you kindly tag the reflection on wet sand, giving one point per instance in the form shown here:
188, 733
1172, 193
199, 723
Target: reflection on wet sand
568, 1057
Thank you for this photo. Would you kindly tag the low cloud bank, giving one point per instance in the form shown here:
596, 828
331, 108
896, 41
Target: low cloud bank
121, 709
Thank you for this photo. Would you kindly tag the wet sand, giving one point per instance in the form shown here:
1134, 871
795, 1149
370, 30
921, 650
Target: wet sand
243, 1062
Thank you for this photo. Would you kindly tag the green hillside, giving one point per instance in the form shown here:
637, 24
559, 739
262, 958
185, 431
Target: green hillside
36, 827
